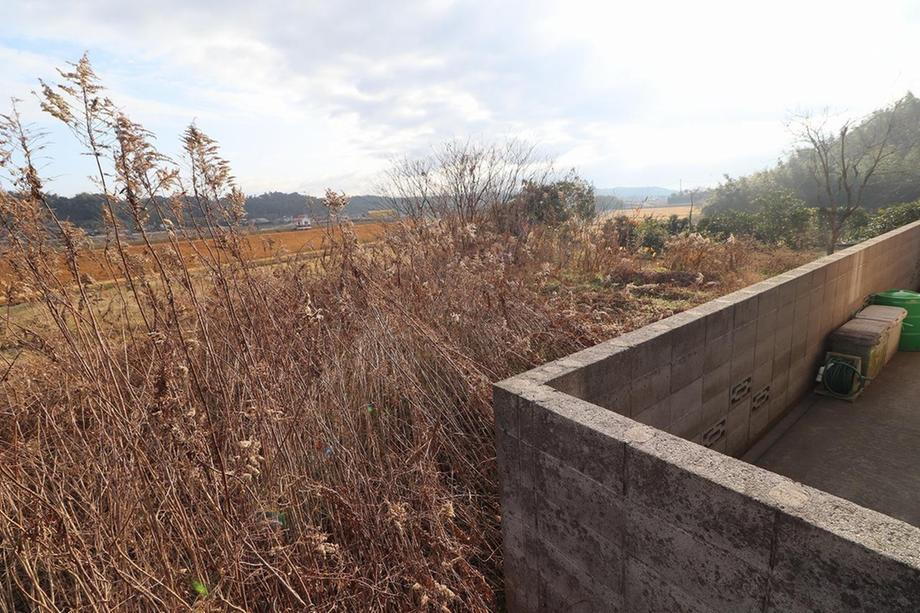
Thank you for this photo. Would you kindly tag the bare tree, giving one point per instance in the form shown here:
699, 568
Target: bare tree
844, 162
463, 180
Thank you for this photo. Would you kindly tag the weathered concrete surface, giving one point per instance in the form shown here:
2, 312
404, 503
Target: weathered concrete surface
867, 451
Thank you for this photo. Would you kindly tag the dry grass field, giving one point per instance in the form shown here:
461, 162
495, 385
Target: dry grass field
658, 212
258, 246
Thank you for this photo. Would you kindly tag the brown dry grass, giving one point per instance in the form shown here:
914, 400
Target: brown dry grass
303, 436
657, 212
256, 246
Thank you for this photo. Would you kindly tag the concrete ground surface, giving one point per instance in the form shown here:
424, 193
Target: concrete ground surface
867, 451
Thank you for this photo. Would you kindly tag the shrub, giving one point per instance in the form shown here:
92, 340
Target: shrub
619, 230
727, 223
570, 198
890, 218
781, 218
703, 255
651, 234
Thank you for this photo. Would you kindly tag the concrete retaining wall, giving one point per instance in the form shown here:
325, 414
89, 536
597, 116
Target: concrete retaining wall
607, 505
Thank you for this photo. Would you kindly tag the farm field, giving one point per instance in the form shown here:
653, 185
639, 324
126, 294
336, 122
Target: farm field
258, 246
658, 212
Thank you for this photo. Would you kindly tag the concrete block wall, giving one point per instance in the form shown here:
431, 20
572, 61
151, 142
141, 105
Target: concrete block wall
618, 486
721, 373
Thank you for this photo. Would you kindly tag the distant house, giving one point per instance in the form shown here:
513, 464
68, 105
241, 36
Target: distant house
302, 222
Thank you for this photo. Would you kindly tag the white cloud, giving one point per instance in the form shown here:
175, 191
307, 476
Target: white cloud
305, 95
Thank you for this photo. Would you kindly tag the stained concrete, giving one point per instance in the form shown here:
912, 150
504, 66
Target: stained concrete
867, 451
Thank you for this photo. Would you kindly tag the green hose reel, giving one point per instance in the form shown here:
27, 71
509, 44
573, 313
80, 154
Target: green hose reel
841, 376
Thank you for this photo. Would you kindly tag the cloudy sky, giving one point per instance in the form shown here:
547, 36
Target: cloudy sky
308, 95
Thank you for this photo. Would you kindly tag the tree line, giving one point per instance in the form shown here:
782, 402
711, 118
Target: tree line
838, 175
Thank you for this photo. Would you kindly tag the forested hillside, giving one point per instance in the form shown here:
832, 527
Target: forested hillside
893, 132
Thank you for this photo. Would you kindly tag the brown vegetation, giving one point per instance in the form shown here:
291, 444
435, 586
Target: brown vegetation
656, 212
283, 437
93, 263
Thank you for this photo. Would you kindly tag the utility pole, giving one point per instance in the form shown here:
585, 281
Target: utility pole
690, 218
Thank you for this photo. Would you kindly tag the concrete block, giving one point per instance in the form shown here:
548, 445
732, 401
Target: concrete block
782, 337
802, 312
766, 324
646, 592
650, 389
515, 465
799, 340
760, 412
737, 426
582, 499
522, 577
800, 381
687, 368
762, 376
737, 441
744, 337
618, 399
817, 297
845, 263
564, 588
669, 483
785, 314
786, 290
779, 404
652, 351
830, 293
657, 416
780, 377
817, 570
815, 330
763, 351
566, 433
583, 522
506, 408
814, 356
803, 284
746, 308
689, 336
694, 565
718, 351
819, 275
781, 362
686, 410
720, 321
742, 365
596, 559
572, 382
769, 297
716, 381
614, 370
714, 408
702, 532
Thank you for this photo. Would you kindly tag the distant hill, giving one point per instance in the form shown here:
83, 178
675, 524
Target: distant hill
274, 205
635, 193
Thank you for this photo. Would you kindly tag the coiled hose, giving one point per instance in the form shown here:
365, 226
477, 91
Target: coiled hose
839, 378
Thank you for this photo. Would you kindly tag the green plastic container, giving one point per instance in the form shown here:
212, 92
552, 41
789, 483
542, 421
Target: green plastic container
909, 300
